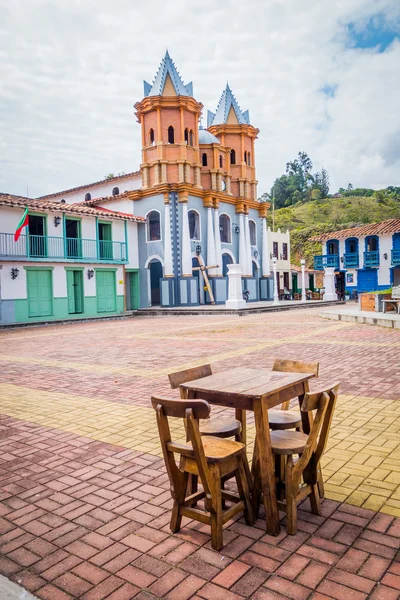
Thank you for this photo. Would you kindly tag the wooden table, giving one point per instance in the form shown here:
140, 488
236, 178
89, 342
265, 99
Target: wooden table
256, 390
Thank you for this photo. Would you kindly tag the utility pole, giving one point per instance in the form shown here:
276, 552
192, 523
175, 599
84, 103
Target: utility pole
273, 208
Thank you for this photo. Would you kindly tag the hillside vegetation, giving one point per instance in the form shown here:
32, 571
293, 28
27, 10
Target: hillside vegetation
320, 215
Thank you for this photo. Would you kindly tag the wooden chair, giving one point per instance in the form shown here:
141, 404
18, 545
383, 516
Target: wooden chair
222, 427
209, 458
310, 448
289, 419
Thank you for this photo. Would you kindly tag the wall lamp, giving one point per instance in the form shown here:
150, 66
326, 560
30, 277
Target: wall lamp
57, 221
14, 273
236, 228
255, 254
385, 256
198, 249
90, 273
342, 259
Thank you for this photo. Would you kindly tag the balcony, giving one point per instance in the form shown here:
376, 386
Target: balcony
326, 260
371, 259
351, 260
46, 247
395, 257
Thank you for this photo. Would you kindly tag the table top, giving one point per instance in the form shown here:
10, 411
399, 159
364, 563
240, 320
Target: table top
250, 383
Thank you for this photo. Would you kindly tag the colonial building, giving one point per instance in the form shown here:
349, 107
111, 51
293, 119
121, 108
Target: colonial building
196, 197
75, 262
365, 258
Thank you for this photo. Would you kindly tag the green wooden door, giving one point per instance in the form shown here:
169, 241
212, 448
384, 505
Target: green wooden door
40, 295
295, 288
105, 241
133, 291
106, 291
75, 292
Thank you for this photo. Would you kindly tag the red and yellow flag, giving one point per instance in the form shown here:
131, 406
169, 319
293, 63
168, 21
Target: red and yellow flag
23, 223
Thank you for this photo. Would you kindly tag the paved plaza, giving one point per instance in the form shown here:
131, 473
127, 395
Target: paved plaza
84, 497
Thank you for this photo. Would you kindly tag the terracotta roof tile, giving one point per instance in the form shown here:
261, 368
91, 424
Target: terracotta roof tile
389, 226
88, 185
19, 201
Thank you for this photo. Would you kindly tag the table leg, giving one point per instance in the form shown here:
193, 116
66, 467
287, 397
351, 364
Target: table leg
240, 415
266, 467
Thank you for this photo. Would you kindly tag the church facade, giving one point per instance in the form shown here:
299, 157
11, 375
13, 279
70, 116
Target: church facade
195, 200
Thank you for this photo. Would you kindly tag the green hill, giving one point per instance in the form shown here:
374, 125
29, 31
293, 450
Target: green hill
306, 219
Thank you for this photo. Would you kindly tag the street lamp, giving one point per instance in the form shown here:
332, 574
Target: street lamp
276, 295
303, 280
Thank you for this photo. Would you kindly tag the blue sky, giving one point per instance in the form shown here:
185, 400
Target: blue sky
376, 33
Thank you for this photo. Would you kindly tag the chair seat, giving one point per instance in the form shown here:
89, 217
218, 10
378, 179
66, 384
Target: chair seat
284, 419
216, 449
288, 442
221, 427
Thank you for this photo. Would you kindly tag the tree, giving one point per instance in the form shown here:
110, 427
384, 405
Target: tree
109, 176
324, 182
349, 187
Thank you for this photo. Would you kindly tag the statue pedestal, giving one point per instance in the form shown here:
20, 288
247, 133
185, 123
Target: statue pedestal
329, 284
235, 293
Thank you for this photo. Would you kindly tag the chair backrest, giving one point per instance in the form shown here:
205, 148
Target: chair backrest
191, 411
295, 366
175, 379
178, 408
323, 402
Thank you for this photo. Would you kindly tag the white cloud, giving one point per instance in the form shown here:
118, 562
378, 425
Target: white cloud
71, 71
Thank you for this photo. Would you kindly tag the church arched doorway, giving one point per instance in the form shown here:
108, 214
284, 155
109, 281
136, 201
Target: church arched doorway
226, 260
156, 273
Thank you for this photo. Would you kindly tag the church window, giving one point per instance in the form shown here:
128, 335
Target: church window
151, 136
204, 159
191, 137
115, 191
88, 196
194, 224
233, 157
187, 135
252, 230
245, 157
248, 159
153, 226
275, 249
225, 229
171, 135
221, 163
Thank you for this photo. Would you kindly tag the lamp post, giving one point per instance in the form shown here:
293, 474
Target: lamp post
303, 280
276, 295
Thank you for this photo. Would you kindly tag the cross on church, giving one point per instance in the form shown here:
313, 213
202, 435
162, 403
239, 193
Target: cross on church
203, 268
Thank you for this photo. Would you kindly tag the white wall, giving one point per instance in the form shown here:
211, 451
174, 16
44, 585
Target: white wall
101, 190
281, 238
385, 246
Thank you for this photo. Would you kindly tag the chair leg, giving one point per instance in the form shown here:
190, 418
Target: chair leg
216, 513
291, 504
321, 487
314, 499
244, 487
280, 474
176, 517
255, 477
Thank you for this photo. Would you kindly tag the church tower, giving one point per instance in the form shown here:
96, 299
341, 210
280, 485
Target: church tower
169, 117
232, 127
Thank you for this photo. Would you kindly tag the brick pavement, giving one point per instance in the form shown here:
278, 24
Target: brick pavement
84, 500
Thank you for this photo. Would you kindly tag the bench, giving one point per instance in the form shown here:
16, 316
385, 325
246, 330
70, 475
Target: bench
394, 300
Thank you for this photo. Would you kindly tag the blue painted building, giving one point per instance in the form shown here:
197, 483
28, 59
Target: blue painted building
365, 258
